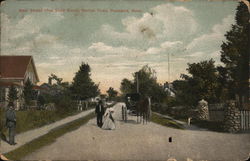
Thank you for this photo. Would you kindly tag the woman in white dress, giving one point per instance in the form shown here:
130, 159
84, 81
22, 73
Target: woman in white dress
109, 122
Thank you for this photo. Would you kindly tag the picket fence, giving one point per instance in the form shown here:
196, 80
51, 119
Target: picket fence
245, 120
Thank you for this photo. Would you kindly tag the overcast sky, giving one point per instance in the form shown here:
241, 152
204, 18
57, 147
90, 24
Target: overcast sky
115, 44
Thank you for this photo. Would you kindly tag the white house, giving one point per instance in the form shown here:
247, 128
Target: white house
15, 70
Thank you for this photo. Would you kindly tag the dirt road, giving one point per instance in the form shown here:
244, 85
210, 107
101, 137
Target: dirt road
132, 141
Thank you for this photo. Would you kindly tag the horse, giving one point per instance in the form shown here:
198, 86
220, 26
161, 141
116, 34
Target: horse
143, 110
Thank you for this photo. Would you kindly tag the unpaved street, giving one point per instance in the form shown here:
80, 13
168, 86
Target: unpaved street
133, 141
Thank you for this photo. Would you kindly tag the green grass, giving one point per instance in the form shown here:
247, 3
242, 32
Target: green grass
166, 122
31, 119
49, 138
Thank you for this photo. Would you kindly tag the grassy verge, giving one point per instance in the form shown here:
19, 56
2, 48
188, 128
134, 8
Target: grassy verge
49, 138
31, 119
166, 122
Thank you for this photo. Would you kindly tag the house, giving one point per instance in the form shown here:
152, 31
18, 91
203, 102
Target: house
16, 70
169, 89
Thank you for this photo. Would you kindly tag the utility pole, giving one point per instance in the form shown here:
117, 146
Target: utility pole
168, 67
137, 82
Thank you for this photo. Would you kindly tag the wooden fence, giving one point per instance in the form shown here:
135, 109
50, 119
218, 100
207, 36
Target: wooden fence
245, 120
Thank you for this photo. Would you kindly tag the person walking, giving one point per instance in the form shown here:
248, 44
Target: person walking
109, 122
11, 124
99, 110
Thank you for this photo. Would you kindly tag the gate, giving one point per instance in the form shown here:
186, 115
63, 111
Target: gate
245, 120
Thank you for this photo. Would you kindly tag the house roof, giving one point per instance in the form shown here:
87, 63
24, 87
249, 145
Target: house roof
15, 66
38, 87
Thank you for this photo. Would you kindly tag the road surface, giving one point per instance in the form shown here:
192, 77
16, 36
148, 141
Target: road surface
132, 141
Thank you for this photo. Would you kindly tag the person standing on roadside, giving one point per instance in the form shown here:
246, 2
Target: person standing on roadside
11, 124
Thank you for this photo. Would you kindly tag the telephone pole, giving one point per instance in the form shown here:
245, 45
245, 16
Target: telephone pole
168, 67
137, 82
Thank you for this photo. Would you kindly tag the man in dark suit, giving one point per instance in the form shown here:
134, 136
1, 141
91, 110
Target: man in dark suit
99, 110
11, 124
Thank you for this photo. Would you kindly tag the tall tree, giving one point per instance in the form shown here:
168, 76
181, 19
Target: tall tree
235, 56
202, 83
12, 96
127, 86
112, 92
83, 87
146, 80
28, 91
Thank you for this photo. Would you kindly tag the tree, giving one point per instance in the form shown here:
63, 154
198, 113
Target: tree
202, 83
28, 91
12, 96
41, 100
54, 77
235, 56
148, 86
111, 92
127, 86
83, 87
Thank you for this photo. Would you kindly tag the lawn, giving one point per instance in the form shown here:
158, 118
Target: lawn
30, 119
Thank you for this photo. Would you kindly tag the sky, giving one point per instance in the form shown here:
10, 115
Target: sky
115, 37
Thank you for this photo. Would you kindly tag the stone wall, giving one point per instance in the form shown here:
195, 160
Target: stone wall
232, 118
202, 110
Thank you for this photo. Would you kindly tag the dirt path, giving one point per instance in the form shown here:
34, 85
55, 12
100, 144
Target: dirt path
27, 136
131, 141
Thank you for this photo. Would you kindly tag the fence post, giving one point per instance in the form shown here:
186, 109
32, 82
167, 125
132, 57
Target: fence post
241, 120
126, 116
123, 113
248, 119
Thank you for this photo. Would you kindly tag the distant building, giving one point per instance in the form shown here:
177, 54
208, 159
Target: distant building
16, 70
169, 89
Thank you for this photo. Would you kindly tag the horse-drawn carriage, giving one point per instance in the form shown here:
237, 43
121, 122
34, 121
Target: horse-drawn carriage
131, 100
137, 105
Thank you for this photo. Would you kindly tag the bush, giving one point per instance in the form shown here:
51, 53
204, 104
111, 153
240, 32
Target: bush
65, 104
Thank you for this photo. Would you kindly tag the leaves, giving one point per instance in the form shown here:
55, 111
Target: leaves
235, 55
28, 91
201, 83
111, 92
147, 82
83, 87
12, 96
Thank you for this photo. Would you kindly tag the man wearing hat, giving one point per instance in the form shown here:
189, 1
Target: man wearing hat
99, 110
11, 124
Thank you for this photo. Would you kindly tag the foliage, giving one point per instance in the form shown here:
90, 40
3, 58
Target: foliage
83, 87
64, 103
28, 91
56, 78
127, 86
112, 92
216, 126
41, 100
235, 56
148, 85
12, 96
201, 84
